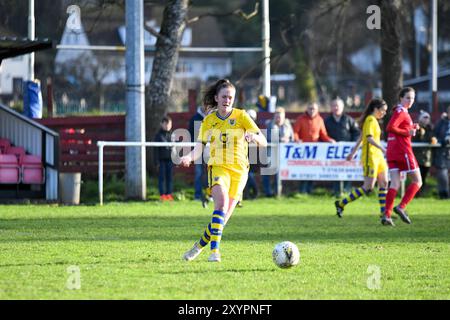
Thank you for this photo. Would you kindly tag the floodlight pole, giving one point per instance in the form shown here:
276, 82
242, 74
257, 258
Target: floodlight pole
31, 36
135, 159
434, 108
266, 50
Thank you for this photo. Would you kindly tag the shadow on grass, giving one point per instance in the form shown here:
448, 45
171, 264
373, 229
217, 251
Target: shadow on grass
310, 228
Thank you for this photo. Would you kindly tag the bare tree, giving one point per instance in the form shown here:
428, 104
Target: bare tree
164, 64
175, 19
391, 50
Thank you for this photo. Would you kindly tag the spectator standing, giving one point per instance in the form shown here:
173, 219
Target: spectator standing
442, 155
200, 180
423, 155
341, 127
310, 127
164, 160
281, 128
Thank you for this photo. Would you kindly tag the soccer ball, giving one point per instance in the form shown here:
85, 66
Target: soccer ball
286, 254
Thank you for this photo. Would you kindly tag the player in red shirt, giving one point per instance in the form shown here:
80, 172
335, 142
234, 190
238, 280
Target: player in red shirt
400, 157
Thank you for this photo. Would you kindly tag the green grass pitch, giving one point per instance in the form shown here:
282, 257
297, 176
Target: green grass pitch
133, 251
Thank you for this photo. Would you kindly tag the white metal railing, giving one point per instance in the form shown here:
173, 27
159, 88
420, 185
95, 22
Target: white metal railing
102, 144
152, 48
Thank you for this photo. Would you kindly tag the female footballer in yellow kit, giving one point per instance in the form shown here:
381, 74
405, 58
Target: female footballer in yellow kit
374, 165
228, 130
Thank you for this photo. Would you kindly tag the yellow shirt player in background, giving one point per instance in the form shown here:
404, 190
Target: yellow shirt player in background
228, 131
375, 168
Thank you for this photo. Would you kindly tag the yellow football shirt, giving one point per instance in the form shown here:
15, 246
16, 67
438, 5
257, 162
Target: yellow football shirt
371, 128
228, 147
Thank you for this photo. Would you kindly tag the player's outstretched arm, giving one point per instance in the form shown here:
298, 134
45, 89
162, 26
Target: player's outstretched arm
257, 138
196, 153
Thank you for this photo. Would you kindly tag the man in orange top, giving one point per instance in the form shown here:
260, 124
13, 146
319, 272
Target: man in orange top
310, 127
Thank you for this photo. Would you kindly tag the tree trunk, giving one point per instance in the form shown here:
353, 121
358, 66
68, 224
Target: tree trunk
164, 64
391, 51
413, 53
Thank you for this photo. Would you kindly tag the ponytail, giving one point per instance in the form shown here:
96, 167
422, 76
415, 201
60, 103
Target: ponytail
373, 104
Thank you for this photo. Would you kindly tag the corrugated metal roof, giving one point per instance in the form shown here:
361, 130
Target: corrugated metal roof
28, 120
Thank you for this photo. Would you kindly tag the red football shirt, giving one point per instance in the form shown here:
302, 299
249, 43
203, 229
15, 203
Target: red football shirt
399, 138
